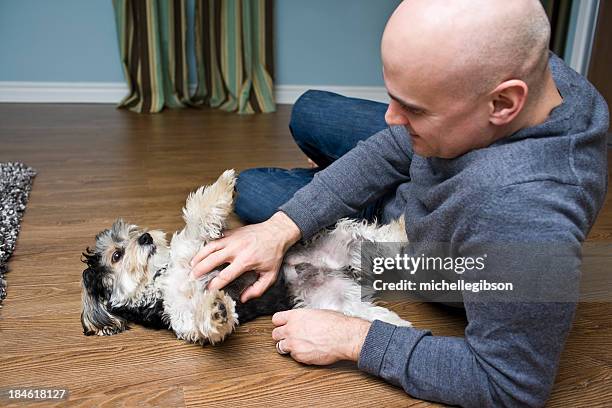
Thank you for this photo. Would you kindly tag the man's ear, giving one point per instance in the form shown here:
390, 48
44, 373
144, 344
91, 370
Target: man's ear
507, 101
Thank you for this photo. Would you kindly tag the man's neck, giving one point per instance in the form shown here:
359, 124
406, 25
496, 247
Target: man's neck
550, 99
538, 111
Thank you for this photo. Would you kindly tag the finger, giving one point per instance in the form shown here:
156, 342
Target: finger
281, 318
234, 270
210, 262
288, 345
285, 345
258, 287
207, 250
227, 233
279, 333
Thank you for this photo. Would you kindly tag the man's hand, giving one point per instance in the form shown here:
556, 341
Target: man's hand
257, 247
319, 337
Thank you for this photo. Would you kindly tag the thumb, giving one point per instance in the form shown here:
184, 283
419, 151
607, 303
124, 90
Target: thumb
227, 275
258, 287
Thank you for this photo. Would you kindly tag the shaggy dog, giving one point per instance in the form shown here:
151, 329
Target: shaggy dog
133, 275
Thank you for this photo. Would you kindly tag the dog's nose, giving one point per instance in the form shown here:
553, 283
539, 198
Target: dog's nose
145, 239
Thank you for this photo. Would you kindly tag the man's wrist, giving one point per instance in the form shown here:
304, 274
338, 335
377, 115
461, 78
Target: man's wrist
287, 228
359, 333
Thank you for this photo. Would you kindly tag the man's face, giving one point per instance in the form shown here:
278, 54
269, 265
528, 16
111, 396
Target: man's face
441, 122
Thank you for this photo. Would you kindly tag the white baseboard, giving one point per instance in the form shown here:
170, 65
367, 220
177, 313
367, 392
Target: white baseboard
113, 92
288, 94
62, 92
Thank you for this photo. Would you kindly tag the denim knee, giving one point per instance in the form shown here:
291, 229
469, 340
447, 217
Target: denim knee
248, 193
261, 191
304, 114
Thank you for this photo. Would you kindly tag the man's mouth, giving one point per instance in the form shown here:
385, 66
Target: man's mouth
411, 133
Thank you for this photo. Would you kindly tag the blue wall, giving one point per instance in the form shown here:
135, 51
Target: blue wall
318, 42
330, 42
58, 40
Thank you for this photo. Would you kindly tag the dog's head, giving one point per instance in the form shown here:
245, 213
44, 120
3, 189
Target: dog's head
122, 263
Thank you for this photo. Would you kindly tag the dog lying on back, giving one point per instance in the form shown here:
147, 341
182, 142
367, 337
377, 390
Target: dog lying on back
132, 275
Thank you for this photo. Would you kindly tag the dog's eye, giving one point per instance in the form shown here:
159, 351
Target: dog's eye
117, 256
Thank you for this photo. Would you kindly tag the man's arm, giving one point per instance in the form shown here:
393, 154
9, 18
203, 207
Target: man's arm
364, 174
374, 167
510, 351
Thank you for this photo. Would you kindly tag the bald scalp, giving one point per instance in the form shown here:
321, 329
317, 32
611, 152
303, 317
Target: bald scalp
472, 45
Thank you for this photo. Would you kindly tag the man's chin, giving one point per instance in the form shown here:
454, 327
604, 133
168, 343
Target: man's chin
419, 147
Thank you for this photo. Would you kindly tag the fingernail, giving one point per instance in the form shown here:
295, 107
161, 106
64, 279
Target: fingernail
191, 263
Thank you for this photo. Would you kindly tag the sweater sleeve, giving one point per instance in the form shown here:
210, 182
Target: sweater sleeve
364, 174
510, 350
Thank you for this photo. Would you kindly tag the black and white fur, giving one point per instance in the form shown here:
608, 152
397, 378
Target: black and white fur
133, 275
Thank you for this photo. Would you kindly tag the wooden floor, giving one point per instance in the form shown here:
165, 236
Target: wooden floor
95, 164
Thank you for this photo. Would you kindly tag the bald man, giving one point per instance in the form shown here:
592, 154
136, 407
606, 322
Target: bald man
488, 140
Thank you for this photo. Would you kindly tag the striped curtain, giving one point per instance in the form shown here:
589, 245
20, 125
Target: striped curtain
234, 54
233, 49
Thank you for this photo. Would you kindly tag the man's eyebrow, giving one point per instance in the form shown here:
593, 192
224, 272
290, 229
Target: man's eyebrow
406, 104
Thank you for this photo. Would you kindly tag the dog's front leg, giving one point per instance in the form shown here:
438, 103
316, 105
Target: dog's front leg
214, 316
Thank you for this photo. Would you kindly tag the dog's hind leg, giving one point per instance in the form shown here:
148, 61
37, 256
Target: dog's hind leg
369, 311
352, 304
205, 215
321, 288
207, 209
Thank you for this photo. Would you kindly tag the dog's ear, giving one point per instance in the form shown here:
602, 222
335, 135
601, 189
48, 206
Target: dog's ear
207, 209
97, 287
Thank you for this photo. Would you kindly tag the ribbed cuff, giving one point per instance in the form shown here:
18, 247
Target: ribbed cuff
386, 350
375, 347
302, 217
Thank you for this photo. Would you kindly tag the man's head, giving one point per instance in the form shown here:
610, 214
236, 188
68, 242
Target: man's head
463, 73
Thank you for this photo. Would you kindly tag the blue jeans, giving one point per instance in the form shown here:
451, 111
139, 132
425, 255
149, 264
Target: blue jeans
325, 126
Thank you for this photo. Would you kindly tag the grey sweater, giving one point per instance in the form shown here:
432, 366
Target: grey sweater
542, 184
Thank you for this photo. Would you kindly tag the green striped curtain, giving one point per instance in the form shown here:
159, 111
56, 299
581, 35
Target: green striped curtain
233, 48
234, 54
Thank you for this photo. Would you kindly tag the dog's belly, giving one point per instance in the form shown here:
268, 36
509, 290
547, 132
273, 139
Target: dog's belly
178, 293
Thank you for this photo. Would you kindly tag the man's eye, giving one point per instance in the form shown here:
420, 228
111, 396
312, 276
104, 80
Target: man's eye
415, 111
117, 256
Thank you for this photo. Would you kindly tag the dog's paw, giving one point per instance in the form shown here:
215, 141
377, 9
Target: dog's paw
216, 316
109, 331
387, 316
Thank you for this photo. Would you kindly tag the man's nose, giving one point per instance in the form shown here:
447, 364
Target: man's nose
394, 116
145, 239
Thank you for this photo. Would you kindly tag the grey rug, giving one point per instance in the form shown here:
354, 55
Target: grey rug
15, 185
